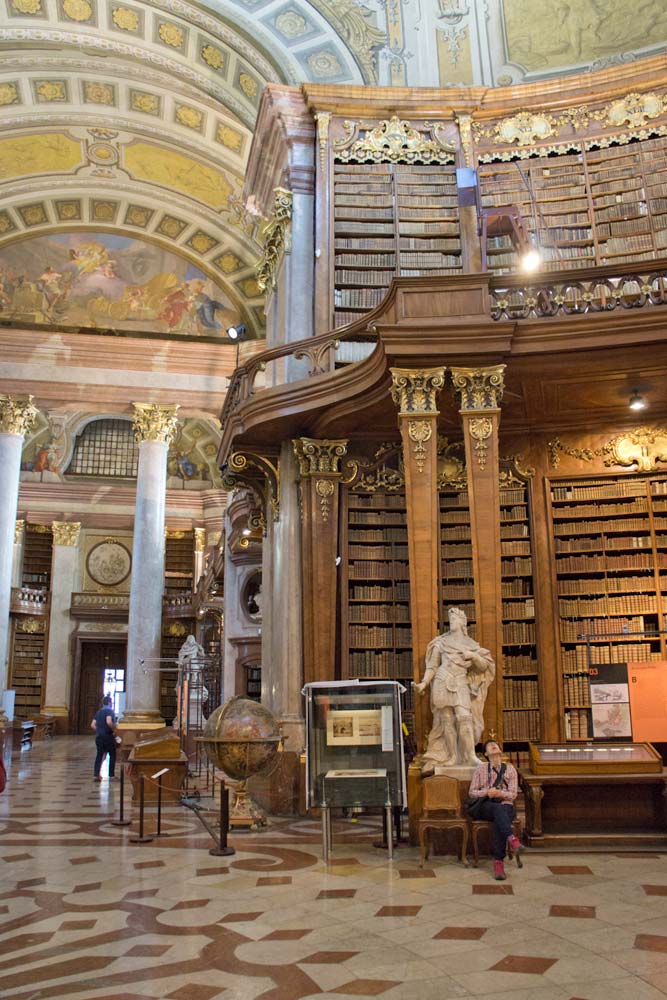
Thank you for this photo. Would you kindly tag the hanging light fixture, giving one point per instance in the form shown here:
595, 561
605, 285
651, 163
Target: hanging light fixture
637, 401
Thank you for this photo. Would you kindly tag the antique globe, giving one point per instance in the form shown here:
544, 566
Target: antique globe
242, 738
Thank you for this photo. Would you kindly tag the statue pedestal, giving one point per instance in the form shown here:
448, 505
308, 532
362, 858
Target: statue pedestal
462, 772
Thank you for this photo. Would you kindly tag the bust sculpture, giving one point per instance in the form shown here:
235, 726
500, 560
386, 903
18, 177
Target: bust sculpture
459, 672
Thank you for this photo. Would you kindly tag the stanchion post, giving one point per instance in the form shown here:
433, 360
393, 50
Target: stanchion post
121, 821
141, 839
222, 850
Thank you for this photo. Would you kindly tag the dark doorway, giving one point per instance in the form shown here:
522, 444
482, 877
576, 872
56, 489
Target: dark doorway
99, 661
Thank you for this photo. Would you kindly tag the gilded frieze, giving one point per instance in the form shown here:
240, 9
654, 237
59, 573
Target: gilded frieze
393, 140
644, 448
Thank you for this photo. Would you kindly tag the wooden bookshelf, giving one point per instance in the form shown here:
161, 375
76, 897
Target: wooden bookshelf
37, 556
27, 666
375, 608
591, 206
610, 558
253, 682
390, 219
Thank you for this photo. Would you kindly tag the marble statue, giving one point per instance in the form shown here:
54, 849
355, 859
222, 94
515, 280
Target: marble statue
190, 688
189, 651
459, 672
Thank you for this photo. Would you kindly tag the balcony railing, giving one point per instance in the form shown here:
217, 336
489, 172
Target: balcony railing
29, 601
116, 607
574, 292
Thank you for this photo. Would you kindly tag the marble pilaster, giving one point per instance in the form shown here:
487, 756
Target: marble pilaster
16, 417
64, 572
155, 427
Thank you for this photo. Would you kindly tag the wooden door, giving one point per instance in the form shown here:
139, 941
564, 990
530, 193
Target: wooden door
96, 657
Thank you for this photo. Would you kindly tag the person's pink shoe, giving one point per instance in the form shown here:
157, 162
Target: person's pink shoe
499, 871
514, 849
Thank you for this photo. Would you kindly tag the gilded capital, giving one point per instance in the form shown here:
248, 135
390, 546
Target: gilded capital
317, 457
17, 414
414, 390
153, 422
200, 539
19, 528
479, 388
66, 532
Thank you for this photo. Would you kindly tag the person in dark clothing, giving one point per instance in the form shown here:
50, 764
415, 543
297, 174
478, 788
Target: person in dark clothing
105, 738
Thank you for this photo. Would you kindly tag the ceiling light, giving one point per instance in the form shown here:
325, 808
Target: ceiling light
531, 260
236, 332
637, 401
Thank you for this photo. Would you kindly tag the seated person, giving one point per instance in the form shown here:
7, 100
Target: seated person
497, 783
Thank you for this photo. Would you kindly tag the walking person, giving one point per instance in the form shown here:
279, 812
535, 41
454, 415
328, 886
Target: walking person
105, 737
497, 785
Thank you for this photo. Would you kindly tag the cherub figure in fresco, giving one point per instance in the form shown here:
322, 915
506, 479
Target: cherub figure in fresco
45, 458
89, 257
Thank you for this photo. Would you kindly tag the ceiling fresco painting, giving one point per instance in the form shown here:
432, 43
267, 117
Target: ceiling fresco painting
96, 279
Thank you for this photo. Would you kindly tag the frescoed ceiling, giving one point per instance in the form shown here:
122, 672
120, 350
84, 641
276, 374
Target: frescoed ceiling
137, 117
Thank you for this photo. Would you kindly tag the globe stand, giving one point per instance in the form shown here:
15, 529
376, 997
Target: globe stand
245, 813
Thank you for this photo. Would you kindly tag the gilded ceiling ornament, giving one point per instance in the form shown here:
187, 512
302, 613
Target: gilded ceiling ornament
480, 429
17, 414
213, 57
66, 532
138, 216
5, 223
317, 456
8, 94
78, 10
324, 64
479, 388
250, 287
19, 529
227, 262
276, 238
98, 93
394, 140
27, 6
148, 103
323, 119
415, 390
325, 490
190, 117
248, 85
229, 137
200, 539
126, 20
201, 242
291, 24
419, 432
635, 109
51, 90
104, 211
153, 422
169, 226
171, 34
33, 215
353, 22
68, 210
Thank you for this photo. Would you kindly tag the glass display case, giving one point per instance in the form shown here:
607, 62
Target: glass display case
598, 758
354, 744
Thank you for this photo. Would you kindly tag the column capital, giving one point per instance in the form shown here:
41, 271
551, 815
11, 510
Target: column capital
200, 539
414, 390
66, 532
316, 457
19, 528
153, 422
479, 388
17, 414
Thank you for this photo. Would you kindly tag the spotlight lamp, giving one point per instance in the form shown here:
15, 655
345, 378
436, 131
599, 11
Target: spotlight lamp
531, 259
637, 401
236, 332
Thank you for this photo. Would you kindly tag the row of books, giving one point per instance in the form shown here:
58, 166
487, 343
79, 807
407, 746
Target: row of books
518, 633
576, 688
571, 631
522, 726
603, 607
374, 613
377, 552
519, 663
626, 524
524, 608
376, 592
520, 694
577, 724
386, 534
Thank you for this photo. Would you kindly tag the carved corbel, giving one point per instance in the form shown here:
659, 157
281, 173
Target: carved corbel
257, 473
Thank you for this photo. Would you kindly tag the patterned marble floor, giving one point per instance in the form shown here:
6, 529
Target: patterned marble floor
85, 914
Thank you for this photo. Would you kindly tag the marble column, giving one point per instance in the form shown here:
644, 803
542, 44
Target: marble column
17, 415
155, 427
64, 571
480, 391
17, 559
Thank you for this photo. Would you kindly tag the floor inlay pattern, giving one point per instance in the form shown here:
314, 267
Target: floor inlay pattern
86, 915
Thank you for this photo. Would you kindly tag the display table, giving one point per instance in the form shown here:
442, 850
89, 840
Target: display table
350, 788
583, 801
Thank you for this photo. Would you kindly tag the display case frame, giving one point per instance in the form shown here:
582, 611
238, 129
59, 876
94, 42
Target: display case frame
594, 758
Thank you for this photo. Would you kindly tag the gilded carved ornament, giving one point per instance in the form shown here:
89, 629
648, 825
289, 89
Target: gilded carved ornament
384, 471
200, 539
153, 422
643, 447
464, 123
66, 532
352, 22
393, 140
19, 529
480, 429
319, 456
33, 626
248, 469
325, 490
323, 119
479, 388
17, 414
414, 390
276, 237
419, 432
